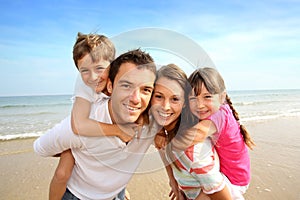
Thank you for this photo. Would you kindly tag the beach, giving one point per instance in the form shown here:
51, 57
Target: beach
274, 163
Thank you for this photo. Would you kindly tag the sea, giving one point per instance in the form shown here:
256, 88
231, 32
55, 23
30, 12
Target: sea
32, 116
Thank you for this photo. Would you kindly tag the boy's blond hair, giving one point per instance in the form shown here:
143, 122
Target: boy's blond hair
98, 46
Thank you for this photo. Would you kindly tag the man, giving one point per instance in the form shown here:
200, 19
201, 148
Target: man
104, 165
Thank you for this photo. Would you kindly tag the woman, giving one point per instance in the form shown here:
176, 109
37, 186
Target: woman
169, 100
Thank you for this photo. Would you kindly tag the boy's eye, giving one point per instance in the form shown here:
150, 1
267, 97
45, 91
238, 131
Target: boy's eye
83, 70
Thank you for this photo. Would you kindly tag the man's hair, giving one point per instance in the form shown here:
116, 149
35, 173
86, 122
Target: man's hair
137, 57
98, 46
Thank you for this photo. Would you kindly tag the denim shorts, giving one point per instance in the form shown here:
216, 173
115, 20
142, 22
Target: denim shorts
69, 196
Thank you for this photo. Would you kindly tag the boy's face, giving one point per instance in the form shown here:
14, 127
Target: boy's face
131, 93
92, 73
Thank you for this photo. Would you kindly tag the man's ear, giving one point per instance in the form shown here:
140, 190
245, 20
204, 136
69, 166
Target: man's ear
109, 86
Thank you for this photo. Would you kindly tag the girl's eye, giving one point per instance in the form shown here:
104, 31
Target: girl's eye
208, 97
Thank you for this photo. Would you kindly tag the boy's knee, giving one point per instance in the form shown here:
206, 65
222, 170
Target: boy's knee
62, 175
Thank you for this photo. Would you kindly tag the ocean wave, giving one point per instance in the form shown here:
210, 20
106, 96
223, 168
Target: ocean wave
33, 105
20, 136
268, 117
28, 114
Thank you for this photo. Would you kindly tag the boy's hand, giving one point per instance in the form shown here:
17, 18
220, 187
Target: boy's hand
160, 140
128, 131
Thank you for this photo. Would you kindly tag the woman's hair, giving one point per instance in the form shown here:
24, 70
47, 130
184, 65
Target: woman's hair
98, 46
214, 84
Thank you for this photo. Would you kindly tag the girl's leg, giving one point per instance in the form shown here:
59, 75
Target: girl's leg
61, 176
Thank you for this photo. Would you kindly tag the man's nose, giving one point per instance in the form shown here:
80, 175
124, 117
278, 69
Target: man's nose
135, 96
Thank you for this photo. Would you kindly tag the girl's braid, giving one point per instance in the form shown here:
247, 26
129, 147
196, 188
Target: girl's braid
246, 135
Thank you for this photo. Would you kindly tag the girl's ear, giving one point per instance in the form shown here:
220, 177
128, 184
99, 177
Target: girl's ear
223, 97
109, 86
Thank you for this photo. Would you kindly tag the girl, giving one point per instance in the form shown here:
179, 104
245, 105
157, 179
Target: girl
215, 116
168, 101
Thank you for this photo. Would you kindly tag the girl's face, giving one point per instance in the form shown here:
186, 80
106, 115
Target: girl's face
167, 102
205, 104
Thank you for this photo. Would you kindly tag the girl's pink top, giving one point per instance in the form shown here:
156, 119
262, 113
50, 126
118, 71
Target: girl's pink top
231, 148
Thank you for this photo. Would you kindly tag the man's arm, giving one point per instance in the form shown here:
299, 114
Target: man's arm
57, 140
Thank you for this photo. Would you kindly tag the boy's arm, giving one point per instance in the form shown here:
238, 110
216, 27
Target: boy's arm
83, 125
196, 134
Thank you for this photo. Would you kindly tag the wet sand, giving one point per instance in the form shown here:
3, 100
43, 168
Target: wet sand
274, 161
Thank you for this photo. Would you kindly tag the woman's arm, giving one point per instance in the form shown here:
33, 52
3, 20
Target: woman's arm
175, 192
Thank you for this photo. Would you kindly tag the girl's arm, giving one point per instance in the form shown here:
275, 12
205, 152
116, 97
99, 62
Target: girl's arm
83, 125
198, 133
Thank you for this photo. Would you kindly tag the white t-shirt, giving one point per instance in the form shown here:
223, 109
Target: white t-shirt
103, 165
86, 92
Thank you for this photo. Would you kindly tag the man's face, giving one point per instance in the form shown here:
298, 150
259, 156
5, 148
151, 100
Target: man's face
131, 93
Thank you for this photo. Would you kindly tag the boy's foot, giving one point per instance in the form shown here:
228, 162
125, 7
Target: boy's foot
127, 195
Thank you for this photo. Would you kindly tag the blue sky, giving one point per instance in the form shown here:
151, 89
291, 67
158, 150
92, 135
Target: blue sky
254, 44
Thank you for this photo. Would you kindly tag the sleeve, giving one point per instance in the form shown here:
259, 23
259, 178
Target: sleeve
57, 140
84, 91
206, 168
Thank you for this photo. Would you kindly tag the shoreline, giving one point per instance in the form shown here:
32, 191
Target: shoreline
274, 165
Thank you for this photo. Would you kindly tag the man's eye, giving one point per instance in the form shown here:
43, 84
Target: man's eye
147, 90
125, 86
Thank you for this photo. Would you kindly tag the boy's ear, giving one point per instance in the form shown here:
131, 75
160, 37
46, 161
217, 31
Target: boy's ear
109, 86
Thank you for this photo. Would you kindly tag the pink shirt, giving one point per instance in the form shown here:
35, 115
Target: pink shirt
232, 150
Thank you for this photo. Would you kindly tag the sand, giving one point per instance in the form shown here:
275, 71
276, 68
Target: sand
274, 162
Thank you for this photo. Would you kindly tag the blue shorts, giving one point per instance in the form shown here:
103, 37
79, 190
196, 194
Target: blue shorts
69, 196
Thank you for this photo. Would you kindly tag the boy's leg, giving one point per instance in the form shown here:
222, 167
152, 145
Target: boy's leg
61, 176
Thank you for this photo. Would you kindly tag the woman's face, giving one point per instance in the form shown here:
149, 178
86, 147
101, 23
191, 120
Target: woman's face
167, 101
